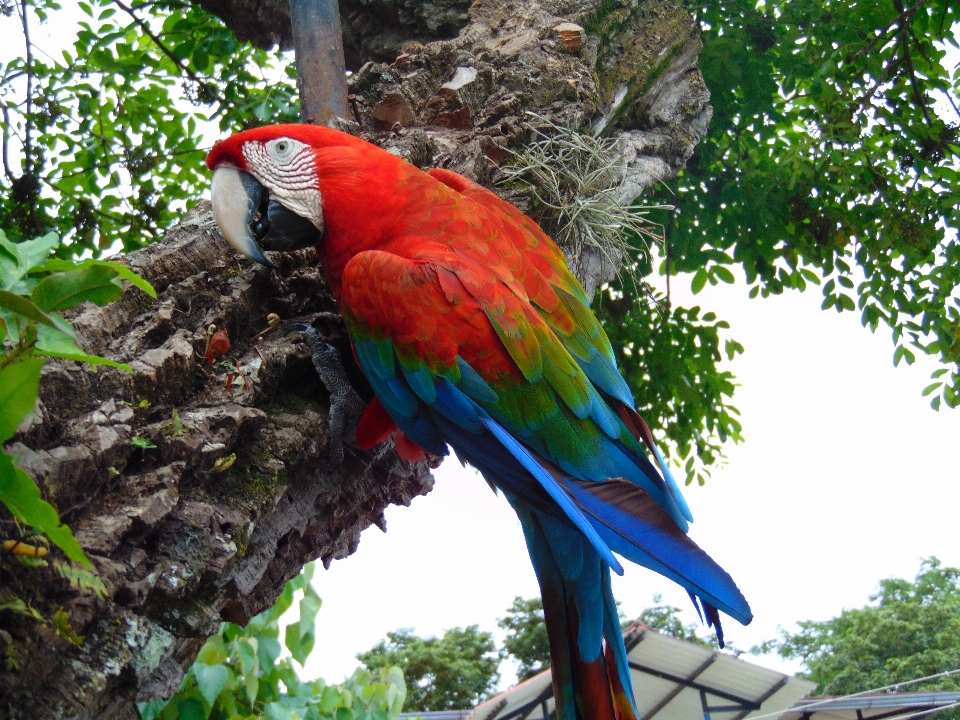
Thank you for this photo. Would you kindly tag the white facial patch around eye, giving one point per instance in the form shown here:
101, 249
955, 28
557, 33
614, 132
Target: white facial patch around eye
287, 168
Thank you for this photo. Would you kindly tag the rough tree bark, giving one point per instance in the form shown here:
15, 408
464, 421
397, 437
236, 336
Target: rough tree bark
181, 546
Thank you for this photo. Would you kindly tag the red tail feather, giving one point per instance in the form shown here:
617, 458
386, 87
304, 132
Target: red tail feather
375, 426
621, 701
635, 424
599, 693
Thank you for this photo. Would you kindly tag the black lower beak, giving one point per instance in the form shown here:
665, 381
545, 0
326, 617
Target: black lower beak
285, 230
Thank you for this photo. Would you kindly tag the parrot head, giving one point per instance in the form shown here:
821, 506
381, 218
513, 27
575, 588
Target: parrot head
265, 193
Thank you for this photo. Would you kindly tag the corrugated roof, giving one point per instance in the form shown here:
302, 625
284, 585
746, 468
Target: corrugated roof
438, 715
888, 705
673, 680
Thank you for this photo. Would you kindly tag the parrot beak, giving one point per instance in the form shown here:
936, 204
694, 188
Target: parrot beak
252, 221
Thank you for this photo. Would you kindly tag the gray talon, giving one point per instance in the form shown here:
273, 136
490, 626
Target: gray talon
346, 407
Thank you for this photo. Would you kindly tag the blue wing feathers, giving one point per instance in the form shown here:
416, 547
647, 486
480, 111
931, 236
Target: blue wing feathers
395, 395
647, 537
473, 385
421, 382
549, 484
571, 516
455, 406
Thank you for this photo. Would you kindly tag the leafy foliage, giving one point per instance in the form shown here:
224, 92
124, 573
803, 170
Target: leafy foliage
670, 357
239, 674
454, 672
34, 287
526, 639
109, 133
911, 630
665, 619
832, 159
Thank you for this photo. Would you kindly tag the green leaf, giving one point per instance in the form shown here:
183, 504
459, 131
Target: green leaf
300, 636
63, 290
26, 308
123, 272
19, 258
19, 384
329, 699
268, 650
192, 709
210, 680
699, 280
212, 652
150, 710
54, 343
276, 711
21, 495
898, 355
250, 666
724, 274
931, 388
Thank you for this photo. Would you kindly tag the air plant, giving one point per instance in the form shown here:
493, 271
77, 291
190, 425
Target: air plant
577, 182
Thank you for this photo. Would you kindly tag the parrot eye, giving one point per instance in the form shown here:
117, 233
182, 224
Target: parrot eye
282, 149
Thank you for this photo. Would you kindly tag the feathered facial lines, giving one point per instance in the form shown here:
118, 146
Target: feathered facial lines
288, 169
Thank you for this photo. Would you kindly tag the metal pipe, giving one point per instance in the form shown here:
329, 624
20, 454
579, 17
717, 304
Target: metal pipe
321, 70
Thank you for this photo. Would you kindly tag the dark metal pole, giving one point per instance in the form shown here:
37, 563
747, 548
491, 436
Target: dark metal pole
321, 70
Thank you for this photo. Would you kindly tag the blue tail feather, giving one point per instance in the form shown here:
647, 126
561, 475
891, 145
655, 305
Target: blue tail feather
640, 530
581, 618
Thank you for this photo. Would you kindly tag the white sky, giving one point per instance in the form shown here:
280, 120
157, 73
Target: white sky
847, 477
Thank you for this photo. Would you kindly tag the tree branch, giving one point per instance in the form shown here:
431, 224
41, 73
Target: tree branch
904, 13
184, 69
6, 140
27, 143
914, 82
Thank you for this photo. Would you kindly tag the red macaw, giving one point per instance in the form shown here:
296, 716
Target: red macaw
475, 335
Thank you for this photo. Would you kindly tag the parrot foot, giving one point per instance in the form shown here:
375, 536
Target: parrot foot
346, 406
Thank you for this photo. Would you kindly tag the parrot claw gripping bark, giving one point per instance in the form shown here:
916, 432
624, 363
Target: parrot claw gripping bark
474, 335
346, 406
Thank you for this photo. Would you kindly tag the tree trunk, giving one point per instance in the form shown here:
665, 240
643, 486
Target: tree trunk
238, 492
179, 545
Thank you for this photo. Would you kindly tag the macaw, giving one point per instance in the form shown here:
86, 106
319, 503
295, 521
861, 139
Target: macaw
475, 336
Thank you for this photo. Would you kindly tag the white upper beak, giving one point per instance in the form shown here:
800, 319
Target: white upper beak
235, 196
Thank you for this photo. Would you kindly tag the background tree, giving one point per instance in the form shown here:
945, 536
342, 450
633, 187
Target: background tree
453, 672
665, 619
832, 160
911, 630
526, 639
